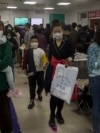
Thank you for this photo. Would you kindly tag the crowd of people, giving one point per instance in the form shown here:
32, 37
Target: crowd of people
44, 49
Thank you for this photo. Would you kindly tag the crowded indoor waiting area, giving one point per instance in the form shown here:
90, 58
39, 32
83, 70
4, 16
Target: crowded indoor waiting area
49, 66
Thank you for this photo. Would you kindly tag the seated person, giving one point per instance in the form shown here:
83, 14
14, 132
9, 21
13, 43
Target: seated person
79, 53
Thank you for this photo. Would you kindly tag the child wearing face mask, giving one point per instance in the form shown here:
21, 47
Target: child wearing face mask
34, 62
13, 92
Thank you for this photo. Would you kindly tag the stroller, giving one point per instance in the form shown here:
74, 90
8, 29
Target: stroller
84, 99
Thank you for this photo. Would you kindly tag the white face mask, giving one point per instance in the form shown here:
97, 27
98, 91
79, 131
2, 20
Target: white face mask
1, 33
58, 35
8, 37
3, 39
34, 45
9, 28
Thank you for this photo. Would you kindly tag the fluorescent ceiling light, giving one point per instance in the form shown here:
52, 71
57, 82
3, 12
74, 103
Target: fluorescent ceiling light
49, 8
63, 3
30, 2
11, 7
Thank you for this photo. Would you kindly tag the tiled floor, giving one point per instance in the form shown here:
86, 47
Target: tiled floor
36, 120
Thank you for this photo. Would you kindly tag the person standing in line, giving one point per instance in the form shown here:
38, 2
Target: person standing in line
74, 33
61, 50
42, 40
48, 32
14, 45
94, 79
5, 57
79, 27
29, 33
18, 36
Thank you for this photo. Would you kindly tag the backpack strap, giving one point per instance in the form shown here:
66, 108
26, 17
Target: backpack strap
30, 61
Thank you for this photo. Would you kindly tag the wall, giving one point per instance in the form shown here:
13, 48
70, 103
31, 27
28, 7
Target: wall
75, 15
9, 15
70, 16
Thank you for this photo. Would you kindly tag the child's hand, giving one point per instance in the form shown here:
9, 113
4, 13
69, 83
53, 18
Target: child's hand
45, 65
30, 74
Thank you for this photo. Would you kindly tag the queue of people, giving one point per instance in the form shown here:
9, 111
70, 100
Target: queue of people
44, 49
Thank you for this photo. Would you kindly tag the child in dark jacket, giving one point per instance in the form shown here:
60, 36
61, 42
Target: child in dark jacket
34, 62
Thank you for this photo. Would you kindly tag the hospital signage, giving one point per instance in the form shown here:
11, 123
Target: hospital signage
94, 14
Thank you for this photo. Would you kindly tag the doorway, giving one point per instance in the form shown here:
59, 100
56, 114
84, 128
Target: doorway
93, 21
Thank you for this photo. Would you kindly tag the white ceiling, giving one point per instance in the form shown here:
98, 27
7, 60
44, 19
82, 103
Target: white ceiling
41, 4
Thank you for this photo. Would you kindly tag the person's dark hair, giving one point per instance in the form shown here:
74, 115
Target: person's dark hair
74, 24
80, 48
79, 26
41, 25
28, 25
48, 25
34, 37
16, 29
85, 28
55, 22
9, 25
57, 25
67, 27
2, 24
97, 36
38, 31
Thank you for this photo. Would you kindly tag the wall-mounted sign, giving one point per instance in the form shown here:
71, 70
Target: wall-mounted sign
60, 17
94, 14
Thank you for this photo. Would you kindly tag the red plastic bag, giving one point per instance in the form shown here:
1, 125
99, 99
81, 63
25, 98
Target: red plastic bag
75, 93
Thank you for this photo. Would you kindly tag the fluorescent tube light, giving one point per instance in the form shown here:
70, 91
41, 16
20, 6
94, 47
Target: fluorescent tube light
49, 8
63, 4
30, 2
11, 7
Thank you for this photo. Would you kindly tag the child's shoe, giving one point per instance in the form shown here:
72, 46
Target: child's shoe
31, 104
